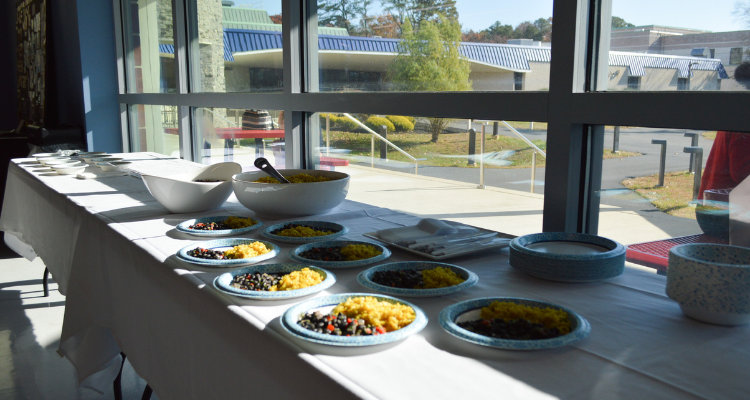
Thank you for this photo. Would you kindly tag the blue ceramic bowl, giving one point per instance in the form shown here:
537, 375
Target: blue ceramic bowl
713, 222
711, 282
325, 304
568, 257
365, 279
184, 227
294, 254
224, 244
339, 230
223, 282
469, 310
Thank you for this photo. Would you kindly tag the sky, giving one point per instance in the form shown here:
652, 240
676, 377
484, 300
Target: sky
713, 15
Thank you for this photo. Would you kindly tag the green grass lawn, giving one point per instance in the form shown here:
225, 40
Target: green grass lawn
673, 198
450, 151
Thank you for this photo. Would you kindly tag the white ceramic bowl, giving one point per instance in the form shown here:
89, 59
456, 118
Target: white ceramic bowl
70, 170
89, 158
109, 166
98, 160
90, 154
291, 200
62, 163
45, 160
45, 155
711, 282
180, 194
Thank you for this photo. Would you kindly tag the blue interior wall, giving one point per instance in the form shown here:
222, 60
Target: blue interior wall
99, 88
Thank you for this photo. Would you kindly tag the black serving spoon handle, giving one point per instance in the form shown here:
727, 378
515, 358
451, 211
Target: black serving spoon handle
263, 164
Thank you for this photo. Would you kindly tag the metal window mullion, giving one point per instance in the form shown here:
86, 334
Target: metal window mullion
184, 126
293, 62
119, 51
180, 34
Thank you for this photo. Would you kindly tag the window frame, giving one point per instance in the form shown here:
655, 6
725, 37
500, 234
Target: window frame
573, 108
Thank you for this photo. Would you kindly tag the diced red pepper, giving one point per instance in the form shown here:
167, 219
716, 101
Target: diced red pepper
348, 320
330, 327
380, 329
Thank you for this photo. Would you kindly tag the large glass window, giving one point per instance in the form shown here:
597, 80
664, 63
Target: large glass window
480, 45
239, 135
149, 46
154, 128
672, 41
236, 46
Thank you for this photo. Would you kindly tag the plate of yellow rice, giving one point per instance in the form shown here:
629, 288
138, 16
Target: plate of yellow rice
572, 326
297, 280
434, 278
237, 252
304, 231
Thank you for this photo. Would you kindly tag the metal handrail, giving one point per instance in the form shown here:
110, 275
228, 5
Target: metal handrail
375, 134
218, 115
533, 146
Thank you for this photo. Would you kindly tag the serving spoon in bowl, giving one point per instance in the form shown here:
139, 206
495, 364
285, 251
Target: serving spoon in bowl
263, 164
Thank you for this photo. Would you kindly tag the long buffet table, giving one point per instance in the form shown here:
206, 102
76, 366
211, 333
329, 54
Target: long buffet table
111, 246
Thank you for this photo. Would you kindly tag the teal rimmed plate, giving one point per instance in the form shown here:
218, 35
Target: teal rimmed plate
365, 279
223, 282
184, 227
295, 254
326, 304
338, 231
223, 245
469, 310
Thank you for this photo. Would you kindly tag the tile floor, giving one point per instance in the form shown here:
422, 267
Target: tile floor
30, 327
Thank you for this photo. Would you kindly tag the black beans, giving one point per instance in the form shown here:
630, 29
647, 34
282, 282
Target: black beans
208, 254
324, 254
208, 180
337, 325
405, 279
209, 226
519, 329
256, 281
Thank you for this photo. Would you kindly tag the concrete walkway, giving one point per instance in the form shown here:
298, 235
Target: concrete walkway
503, 210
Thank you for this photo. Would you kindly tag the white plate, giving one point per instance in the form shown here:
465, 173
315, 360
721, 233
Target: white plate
374, 235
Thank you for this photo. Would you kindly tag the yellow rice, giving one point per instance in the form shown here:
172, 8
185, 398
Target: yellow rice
549, 317
298, 280
299, 178
253, 249
303, 231
354, 252
439, 278
391, 316
237, 222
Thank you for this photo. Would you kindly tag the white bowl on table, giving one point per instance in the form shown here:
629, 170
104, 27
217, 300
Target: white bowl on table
69, 169
63, 163
110, 166
291, 199
711, 282
45, 160
98, 160
90, 156
47, 155
181, 194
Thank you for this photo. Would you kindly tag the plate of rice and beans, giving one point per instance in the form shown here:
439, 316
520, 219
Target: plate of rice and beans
275, 281
228, 252
340, 253
417, 278
227, 225
304, 231
353, 319
513, 323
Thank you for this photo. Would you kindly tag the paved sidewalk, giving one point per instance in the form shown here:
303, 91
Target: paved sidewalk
504, 210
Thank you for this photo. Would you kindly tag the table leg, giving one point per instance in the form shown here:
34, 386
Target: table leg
259, 147
44, 282
117, 385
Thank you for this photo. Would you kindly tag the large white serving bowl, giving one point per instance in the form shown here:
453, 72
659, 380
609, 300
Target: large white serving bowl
291, 199
711, 282
180, 194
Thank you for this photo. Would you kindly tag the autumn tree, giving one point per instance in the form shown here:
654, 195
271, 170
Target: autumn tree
339, 13
429, 60
418, 11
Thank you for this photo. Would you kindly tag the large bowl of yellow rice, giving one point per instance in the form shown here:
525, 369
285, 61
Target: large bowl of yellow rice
311, 192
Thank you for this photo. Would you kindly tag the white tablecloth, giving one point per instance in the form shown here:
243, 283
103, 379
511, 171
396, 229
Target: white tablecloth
126, 291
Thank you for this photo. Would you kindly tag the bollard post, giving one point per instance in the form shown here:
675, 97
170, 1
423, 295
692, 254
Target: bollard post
328, 137
481, 160
531, 125
662, 159
372, 151
616, 140
495, 130
383, 145
697, 167
533, 170
693, 143
472, 145
468, 124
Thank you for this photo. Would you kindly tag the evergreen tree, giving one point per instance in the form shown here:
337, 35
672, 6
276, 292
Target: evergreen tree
618, 22
339, 13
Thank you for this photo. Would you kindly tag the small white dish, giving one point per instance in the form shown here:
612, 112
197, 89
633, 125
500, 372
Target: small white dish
46, 155
91, 156
63, 163
70, 170
99, 160
45, 160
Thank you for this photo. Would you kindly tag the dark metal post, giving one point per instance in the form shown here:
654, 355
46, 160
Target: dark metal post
472, 145
662, 159
616, 140
693, 143
495, 130
383, 145
697, 152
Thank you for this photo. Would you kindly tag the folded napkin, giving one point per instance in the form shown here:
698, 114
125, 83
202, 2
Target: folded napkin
428, 227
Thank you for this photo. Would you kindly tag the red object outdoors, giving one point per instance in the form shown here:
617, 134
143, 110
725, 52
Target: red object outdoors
239, 133
656, 254
728, 163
